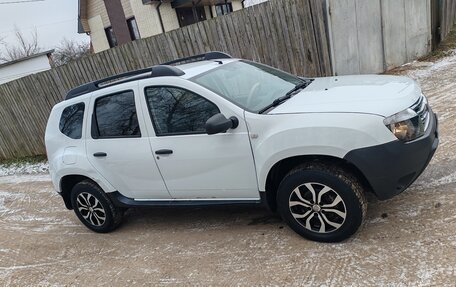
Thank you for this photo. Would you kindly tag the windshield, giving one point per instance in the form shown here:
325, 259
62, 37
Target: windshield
250, 85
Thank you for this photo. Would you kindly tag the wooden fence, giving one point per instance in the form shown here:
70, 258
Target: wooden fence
290, 35
377, 35
447, 16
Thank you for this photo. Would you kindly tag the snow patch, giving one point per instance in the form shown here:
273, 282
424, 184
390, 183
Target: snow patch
451, 178
24, 168
415, 211
426, 69
377, 220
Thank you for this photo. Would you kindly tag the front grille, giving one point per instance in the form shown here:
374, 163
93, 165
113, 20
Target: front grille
422, 110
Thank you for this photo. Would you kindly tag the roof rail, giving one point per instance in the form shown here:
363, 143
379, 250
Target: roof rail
201, 57
161, 70
151, 72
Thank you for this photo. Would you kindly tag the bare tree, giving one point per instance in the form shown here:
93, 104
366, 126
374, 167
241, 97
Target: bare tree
70, 50
24, 46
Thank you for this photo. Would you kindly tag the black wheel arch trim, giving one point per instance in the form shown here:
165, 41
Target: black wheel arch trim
282, 167
67, 183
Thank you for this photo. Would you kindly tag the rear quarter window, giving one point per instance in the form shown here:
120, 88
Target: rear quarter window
71, 121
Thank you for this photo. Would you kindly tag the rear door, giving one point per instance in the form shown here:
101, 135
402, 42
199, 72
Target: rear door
118, 146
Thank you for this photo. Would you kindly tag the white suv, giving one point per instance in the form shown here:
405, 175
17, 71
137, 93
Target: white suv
218, 130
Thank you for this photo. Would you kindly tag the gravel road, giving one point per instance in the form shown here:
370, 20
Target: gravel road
407, 241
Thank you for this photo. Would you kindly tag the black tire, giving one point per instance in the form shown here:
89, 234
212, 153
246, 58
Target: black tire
90, 203
326, 223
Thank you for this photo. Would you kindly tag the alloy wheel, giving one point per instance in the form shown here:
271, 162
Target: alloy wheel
91, 209
317, 207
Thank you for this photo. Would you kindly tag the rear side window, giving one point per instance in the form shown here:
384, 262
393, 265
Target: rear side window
71, 121
115, 116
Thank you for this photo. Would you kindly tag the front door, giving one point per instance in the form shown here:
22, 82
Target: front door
118, 148
193, 164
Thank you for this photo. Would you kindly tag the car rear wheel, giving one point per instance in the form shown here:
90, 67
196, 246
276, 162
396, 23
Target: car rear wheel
322, 203
93, 207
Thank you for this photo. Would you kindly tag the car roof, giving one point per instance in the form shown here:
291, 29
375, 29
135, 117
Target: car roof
192, 66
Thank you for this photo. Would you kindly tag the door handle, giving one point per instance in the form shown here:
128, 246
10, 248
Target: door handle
164, 151
100, 154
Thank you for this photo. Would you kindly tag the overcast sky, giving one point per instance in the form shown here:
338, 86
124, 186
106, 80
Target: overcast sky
53, 20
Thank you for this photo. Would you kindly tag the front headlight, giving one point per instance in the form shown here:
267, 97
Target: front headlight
405, 125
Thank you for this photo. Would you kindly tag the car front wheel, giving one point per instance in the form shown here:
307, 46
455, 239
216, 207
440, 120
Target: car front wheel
322, 203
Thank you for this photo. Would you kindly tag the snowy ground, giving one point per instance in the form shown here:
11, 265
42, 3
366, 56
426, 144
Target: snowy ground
24, 168
407, 241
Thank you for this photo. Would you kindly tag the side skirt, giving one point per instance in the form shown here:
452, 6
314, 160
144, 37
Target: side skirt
122, 201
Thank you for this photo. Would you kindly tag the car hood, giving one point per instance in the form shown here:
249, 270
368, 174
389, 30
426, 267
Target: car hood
370, 94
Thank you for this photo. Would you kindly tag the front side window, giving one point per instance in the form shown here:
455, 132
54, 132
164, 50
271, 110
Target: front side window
115, 116
178, 111
71, 121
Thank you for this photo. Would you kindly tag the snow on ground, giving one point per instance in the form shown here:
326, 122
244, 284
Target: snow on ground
24, 178
421, 70
5, 196
428, 68
24, 168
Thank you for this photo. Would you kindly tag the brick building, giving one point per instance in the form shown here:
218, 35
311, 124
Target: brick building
113, 22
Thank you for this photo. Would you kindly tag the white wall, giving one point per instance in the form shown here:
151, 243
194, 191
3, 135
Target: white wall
98, 8
97, 34
24, 68
169, 17
237, 5
147, 18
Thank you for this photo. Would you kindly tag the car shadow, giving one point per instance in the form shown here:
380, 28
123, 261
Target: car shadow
200, 217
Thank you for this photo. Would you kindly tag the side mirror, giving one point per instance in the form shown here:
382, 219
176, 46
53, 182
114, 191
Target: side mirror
218, 123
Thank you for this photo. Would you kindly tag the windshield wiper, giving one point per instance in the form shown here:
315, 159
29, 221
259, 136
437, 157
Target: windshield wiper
298, 87
288, 95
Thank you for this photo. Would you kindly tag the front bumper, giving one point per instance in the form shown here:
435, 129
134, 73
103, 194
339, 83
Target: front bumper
392, 167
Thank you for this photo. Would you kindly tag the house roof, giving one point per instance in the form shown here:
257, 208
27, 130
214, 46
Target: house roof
49, 52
